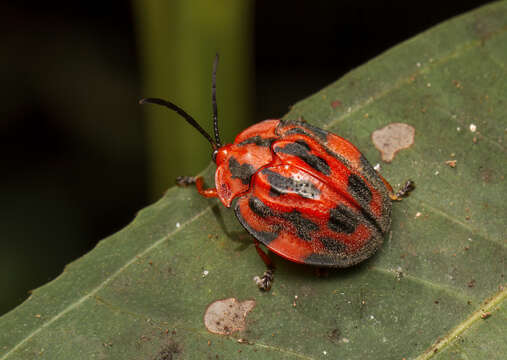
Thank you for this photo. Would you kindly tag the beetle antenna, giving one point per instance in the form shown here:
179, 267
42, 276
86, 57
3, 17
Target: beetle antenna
214, 102
183, 114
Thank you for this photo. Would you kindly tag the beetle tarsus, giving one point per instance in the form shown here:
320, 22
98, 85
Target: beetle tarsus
265, 281
405, 190
185, 180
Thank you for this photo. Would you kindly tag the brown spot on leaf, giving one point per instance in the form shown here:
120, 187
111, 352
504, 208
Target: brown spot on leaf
227, 315
393, 138
336, 103
489, 175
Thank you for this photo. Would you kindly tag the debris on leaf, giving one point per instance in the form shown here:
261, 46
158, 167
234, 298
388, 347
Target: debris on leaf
227, 315
393, 138
485, 315
451, 163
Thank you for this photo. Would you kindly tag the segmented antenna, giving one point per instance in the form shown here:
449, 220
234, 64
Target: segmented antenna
183, 114
214, 102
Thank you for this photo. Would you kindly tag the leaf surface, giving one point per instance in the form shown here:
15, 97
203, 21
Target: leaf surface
435, 289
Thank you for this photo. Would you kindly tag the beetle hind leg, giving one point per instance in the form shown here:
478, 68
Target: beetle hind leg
403, 192
265, 281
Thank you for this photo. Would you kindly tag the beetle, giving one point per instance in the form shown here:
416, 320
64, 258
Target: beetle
307, 194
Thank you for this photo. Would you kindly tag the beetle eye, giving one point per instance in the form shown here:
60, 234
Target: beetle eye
215, 152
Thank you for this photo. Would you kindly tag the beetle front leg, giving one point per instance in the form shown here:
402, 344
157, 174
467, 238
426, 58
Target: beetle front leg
265, 281
199, 184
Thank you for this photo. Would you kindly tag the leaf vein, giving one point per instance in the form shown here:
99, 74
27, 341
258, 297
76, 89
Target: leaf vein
106, 281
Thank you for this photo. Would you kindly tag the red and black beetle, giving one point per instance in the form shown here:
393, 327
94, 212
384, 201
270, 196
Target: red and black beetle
307, 194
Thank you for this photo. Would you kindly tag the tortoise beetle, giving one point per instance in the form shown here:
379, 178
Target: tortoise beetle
308, 195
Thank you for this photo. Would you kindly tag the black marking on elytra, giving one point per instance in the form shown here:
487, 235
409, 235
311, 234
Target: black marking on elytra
303, 128
297, 130
303, 225
257, 140
321, 134
367, 168
258, 207
370, 173
304, 144
323, 260
274, 192
301, 151
263, 236
333, 245
373, 177
243, 172
370, 219
359, 190
282, 185
342, 220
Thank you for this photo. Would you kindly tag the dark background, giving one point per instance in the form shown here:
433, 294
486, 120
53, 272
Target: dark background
71, 134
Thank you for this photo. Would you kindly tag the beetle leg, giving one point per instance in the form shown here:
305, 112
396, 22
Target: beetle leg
403, 192
199, 184
264, 282
405, 189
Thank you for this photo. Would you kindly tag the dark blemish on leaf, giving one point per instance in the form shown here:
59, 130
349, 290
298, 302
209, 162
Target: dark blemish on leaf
226, 316
489, 176
334, 335
393, 138
169, 352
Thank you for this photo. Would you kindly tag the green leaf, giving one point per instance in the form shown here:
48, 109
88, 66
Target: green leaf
435, 289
